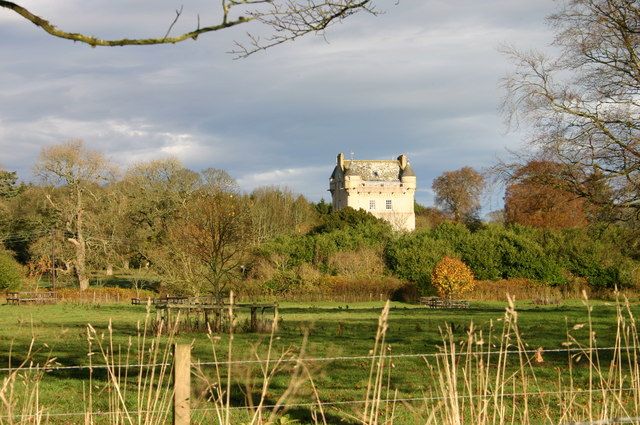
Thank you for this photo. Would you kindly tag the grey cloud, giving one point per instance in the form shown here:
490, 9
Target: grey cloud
423, 78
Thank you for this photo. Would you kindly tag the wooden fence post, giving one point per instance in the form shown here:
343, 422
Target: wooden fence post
181, 384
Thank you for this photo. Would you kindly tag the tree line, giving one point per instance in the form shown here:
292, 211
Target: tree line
84, 215
197, 232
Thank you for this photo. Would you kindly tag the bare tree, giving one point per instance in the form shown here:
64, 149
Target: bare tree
458, 192
207, 243
287, 20
583, 105
78, 170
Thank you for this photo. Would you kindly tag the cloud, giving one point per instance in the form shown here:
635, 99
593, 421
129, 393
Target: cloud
422, 79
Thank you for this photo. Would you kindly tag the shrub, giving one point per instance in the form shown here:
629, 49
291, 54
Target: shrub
293, 250
523, 257
601, 263
413, 256
481, 252
365, 262
10, 272
456, 234
451, 277
341, 287
349, 218
498, 252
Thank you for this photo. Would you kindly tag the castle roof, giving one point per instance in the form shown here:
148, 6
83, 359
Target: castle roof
373, 170
408, 171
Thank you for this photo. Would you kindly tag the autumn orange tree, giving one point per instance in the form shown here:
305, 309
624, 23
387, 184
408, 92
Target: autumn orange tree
537, 195
451, 277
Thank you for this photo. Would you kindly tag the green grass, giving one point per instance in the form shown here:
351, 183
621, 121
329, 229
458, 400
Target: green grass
334, 329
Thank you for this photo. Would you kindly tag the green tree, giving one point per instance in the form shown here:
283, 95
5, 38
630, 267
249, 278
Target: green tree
8, 184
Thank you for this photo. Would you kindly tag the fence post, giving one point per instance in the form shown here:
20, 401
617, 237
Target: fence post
181, 384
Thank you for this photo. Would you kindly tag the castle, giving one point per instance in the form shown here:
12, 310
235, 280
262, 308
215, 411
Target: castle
385, 188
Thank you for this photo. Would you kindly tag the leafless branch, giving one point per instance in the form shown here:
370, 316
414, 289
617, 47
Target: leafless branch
288, 20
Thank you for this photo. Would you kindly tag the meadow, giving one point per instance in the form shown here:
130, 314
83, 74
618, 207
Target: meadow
336, 339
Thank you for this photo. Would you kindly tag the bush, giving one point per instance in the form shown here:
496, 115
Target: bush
451, 277
10, 272
293, 250
601, 263
497, 252
481, 252
364, 262
348, 218
413, 256
523, 257
341, 287
456, 234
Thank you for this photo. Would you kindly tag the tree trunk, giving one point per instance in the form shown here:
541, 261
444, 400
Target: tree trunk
109, 271
80, 267
125, 264
81, 246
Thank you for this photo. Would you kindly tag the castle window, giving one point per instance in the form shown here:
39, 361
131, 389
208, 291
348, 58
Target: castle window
372, 204
388, 204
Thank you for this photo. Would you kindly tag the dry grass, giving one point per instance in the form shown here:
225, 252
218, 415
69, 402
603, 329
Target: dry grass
488, 376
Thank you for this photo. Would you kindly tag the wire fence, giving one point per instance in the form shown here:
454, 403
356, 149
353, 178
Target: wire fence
203, 407
324, 404
568, 350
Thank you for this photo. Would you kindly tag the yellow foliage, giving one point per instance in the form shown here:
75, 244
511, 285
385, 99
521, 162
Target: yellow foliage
451, 277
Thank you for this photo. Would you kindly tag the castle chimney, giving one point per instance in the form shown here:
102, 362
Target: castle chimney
403, 161
340, 161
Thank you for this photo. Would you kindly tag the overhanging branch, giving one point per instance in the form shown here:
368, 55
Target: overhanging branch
289, 19
95, 41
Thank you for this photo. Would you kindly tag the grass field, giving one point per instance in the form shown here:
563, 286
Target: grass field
334, 330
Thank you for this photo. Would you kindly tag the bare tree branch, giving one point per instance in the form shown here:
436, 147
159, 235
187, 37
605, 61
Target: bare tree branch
288, 19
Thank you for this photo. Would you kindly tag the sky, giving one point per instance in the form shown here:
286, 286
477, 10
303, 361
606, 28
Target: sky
421, 78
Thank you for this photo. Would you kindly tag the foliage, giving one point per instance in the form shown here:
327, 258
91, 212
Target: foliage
481, 252
496, 252
323, 207
582, 255
275, 211
348, 218
453, 233
523, 257
537, 195
458, 192
363, 262
428, 217
451, 277
10, 272
207, 243
8, 186
413, 257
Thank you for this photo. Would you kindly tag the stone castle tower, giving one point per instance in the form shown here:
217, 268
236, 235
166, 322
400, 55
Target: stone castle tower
385, 188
